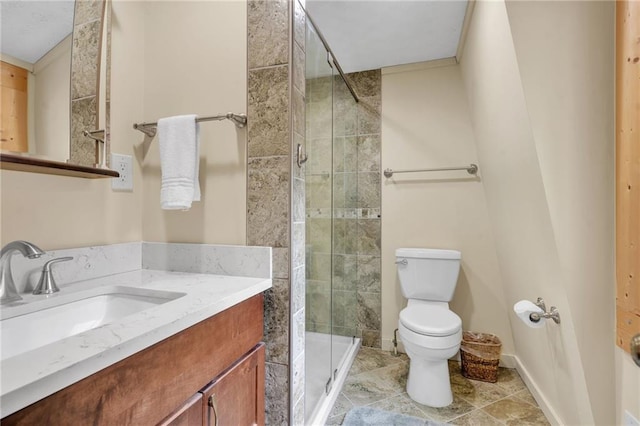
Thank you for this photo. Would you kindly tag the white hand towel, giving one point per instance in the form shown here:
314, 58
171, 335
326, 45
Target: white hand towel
179, 139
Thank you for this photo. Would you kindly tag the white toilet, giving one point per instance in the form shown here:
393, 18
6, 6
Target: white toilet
430, 332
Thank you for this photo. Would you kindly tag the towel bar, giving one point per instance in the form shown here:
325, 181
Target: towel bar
150, 129
472, 169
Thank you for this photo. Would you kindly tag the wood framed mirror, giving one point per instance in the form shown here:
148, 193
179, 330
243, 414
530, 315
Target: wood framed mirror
55, 86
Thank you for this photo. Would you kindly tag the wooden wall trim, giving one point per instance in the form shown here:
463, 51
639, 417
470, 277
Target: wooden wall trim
627, 171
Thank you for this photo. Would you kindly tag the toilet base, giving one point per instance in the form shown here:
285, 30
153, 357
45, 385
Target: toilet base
428, 382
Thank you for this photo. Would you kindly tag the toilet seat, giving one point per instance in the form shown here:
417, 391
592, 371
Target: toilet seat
436, 321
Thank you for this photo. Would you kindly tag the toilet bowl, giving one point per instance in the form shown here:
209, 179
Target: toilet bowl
430, 332
429, 346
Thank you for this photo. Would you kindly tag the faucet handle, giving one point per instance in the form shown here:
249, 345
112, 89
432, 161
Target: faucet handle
47, 284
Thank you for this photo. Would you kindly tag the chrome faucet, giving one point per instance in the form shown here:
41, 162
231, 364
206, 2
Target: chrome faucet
8, 291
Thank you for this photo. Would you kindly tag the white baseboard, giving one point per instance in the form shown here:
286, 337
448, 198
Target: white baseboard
543, 402
508, 361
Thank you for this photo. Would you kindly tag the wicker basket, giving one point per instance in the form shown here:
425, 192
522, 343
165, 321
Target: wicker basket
480, 354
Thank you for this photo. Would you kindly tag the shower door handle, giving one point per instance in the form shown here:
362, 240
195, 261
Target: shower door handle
301, 158
635, 349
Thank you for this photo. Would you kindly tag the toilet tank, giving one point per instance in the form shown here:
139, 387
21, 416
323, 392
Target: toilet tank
428, 274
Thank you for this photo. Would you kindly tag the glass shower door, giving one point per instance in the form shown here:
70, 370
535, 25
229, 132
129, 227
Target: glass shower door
345, 220
319, 221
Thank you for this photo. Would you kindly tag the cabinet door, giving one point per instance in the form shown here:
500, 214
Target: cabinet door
189, 414
236, 397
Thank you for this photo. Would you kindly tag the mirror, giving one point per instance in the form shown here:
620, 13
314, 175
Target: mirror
54, 80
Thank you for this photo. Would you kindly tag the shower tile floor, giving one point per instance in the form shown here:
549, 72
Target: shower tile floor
379, 379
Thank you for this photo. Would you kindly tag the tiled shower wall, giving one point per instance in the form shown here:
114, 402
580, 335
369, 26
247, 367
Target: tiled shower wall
276, 197
275, 192
366, 211
343, 140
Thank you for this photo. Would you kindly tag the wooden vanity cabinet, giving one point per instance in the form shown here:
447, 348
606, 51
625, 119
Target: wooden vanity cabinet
170, 382
234, 398
189, 414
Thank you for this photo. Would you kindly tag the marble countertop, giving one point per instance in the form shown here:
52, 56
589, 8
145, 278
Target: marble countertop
33, 375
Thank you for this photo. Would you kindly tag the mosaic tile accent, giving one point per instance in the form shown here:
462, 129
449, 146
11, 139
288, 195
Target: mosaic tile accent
351, 213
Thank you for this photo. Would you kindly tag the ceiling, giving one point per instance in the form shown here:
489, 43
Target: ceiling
363, 34
29, 29
371, 34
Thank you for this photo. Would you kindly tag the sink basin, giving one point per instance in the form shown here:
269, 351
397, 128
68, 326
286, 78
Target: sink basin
40, 323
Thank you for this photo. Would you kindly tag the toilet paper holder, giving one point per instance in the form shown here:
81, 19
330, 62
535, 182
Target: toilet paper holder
553, 312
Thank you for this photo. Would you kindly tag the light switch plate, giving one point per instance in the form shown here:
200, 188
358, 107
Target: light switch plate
122, 164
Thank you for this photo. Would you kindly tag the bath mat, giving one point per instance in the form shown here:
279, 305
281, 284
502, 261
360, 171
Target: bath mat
366, 416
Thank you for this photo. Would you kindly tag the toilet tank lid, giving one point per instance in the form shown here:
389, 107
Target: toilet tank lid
423, 253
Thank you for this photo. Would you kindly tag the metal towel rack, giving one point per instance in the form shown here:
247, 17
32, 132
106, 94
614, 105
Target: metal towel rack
150, 129
472, 169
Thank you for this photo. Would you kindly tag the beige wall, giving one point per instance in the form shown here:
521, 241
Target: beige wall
199, 67
426, 123
545, 139
50, 107
572, 119
61, 212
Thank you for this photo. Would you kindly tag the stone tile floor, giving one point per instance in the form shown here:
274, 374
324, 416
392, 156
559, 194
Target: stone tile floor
379, 379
